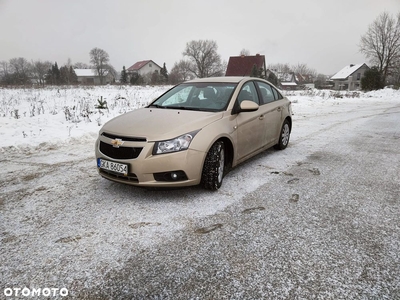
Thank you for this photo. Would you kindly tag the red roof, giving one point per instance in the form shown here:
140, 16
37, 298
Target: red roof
140, 64
242, 65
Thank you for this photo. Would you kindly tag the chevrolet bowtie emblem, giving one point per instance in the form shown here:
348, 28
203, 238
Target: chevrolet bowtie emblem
117, 142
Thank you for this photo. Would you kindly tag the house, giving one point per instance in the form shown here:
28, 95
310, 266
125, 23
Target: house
243, 65
143, 68
304, 81
90, 76
349, 78
287, 80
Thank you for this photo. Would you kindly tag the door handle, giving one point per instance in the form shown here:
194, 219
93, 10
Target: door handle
261, 117
279, 108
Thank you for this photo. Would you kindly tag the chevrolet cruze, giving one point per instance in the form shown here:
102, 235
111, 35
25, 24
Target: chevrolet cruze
194, 133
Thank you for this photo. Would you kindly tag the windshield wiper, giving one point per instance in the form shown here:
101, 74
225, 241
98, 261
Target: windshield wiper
188, 108
179, 107
157, 106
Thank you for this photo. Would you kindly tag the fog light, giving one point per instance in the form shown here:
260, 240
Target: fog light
170, 176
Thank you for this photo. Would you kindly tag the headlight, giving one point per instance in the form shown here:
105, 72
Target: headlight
177, 144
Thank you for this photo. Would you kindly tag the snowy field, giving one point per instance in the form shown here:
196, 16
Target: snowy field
32, 117
61, 225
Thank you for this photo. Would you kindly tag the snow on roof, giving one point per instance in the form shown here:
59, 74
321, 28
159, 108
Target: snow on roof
87, 72
286, 77
347, 71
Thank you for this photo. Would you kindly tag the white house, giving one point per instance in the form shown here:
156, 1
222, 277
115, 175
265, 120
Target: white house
144, 67
349, 78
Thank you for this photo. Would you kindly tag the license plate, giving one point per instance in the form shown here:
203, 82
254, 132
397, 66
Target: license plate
112, 166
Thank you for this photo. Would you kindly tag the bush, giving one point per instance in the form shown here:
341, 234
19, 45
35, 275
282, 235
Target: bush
372, 80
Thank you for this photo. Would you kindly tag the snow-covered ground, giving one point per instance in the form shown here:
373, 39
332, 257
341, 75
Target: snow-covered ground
29, 117
63, 225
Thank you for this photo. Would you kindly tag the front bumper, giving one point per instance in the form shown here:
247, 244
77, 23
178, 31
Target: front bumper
141, 170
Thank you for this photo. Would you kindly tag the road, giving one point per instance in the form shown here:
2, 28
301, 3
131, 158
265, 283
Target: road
318, 220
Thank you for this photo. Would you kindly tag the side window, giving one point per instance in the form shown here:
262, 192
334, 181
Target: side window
248, 92
267, 92
277, 95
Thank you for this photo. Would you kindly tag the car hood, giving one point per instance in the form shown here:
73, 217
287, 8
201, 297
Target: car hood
159, 123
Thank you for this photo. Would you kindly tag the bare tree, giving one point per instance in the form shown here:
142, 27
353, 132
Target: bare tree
40, 70
280, 68
322, 82
244, 52
307, 75
21, 70
4, 72
112, 70
205, 61
396, 74
180, 72
300, 68
4, 66
80, 65
99, 58
381, 43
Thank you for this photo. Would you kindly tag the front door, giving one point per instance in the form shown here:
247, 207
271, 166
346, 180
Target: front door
249, 124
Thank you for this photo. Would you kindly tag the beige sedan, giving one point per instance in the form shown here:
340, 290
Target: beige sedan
194, 133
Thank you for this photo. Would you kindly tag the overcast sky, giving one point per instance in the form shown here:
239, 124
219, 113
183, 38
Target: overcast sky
324, 34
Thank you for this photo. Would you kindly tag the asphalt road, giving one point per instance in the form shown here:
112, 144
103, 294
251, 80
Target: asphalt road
324, 227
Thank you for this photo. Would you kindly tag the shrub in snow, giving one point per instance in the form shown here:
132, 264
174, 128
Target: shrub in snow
102, 103
15, 114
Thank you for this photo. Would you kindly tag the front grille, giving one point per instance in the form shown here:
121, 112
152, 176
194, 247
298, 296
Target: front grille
124, 138
121, 152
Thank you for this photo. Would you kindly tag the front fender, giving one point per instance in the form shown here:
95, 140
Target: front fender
207, 136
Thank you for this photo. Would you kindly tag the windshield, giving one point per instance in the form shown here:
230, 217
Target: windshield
197, 96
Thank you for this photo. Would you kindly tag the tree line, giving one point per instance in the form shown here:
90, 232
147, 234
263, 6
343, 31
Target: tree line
19, 71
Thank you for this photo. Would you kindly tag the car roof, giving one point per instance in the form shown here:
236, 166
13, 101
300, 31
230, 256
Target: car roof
227, 79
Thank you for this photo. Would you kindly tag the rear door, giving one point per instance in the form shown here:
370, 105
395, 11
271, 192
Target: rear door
271, 105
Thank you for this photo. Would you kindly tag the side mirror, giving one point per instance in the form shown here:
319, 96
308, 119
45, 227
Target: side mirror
248, 106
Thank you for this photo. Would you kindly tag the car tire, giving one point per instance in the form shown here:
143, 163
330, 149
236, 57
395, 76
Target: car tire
283, 136
214, 167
